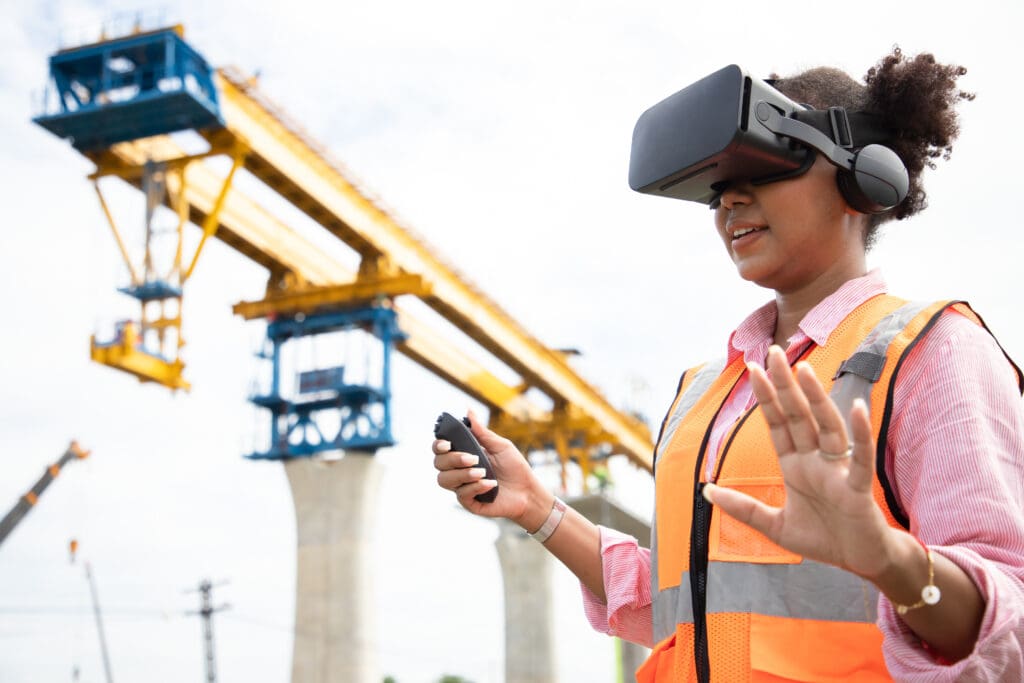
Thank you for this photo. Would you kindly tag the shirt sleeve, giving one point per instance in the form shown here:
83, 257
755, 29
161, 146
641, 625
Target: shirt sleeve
627, 586
955, 454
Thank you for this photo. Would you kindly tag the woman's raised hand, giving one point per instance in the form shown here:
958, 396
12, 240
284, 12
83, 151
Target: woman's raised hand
830, 513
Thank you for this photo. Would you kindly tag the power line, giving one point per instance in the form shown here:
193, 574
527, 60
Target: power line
55, 610
263, 623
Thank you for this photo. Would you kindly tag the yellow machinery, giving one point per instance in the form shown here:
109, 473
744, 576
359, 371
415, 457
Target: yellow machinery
118, 101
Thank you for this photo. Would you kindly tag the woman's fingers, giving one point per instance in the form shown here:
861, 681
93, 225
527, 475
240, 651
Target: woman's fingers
803, 429
491, 441
803, 418
455, 469
456, 478
467, 493
832, 436
750, 511
764, 391
455, 459
862, 465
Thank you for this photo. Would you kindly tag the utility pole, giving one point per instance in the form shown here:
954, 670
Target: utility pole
99, 622
206, 610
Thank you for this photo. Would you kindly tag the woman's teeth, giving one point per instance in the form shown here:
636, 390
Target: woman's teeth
744, 231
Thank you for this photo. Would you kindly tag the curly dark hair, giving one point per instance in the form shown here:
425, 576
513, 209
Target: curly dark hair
915, 96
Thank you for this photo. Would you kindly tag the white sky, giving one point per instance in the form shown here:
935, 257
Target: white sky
501, 133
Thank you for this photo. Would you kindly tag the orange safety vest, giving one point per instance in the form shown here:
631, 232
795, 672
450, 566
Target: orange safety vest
729, 605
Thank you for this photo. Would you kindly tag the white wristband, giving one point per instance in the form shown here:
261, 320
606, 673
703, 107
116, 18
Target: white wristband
551, 523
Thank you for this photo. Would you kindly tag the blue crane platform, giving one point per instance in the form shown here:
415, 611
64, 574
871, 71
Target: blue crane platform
361, 410
133, 87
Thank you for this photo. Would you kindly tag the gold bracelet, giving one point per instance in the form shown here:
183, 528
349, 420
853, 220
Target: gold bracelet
930, 594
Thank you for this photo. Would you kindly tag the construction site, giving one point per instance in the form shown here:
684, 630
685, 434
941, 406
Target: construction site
253, 259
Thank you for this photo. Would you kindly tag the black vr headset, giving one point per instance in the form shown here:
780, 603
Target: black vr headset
731, 127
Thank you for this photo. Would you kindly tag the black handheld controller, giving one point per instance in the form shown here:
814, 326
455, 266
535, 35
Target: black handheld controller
457, 432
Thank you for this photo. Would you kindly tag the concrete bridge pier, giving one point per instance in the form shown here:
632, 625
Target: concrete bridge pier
600, 509
529, 615
530, 639
335, 506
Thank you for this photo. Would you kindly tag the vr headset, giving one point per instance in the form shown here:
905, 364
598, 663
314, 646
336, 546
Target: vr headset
730, 127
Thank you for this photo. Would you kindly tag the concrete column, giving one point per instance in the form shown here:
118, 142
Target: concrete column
633, 656
529, 618
335, 505
600, 509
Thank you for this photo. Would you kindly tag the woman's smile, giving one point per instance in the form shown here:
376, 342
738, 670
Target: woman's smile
744, 233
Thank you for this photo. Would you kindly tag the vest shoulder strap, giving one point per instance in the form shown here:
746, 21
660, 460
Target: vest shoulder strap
692, 386
871, 373
858, 373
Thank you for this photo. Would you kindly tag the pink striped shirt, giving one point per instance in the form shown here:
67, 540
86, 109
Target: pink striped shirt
958, 427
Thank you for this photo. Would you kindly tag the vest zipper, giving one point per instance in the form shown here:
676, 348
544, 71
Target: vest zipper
700, 538
700, 532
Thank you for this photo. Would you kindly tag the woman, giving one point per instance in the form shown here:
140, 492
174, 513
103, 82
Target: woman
793, 540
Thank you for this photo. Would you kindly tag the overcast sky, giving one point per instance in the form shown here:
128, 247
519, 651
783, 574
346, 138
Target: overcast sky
500, 132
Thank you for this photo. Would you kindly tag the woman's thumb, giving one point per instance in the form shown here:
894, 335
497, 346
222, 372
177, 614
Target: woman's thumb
488, 439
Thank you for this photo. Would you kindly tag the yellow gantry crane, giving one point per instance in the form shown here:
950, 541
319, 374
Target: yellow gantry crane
119, 99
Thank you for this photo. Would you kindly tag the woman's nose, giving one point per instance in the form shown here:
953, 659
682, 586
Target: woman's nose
736, 193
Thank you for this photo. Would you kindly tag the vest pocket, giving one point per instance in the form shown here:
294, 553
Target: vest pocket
815, 651
662, 663
733, 541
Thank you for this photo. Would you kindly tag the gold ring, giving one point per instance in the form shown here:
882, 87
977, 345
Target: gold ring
835, 457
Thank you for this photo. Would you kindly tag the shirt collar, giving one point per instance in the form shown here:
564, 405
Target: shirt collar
754, 335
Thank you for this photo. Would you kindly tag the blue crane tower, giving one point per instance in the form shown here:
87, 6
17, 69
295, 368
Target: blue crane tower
153, 83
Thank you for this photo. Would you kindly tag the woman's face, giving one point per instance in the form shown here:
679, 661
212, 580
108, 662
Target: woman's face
790, 234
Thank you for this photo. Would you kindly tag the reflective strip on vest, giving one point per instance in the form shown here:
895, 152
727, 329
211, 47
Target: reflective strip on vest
807, 590
664, 606
703, 379
849, 385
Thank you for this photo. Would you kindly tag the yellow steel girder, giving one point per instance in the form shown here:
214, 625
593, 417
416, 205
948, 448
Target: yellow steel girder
294, 166
265, 239
306, 299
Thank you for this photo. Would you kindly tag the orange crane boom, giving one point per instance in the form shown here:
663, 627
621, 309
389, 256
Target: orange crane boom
29, 500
